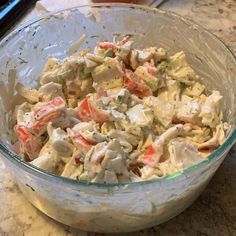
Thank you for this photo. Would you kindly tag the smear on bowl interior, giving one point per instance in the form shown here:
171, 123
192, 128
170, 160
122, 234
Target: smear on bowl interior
119, 114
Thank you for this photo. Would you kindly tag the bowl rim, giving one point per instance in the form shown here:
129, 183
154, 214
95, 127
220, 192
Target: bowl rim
38, 172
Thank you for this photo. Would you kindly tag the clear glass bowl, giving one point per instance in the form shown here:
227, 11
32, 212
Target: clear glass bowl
115, 207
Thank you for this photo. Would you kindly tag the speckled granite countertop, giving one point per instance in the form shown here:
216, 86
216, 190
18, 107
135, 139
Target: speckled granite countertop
213, 214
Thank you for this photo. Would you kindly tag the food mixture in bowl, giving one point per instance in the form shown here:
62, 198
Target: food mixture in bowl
119, 114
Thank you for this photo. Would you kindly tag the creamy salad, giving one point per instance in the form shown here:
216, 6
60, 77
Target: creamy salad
119, 114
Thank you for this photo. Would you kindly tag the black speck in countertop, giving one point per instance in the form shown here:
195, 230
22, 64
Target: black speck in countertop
30, 187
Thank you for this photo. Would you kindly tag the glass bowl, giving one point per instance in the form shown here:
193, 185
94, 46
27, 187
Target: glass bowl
113, 207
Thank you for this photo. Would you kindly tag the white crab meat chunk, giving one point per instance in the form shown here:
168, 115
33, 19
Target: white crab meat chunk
27, 120
217, 139
159, 54
67, 120
170, 134
85, 135
182, 154
51, 66
138, 57
124, 50
59, 141
49, 91
105, 162
167, 168
21, 110
109, 74
148, 172
140, 116
210, 109
124, 136
72, 169
163, 111
152, 81
45, 159
189, 112
58, 71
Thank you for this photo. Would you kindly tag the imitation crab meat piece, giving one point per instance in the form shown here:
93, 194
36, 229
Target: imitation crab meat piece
37, 120
154, 151
40, 125
183, 154
138, 57
150, 156
56, 104
79, 140
217, 140
136, 85
23, 134
107, 45
30, 144
47, 112
87, 111
149, 76
150, 68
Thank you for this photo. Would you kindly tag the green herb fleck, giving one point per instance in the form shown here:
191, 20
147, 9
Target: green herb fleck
183, 86
127, 119
137, 56
109, 53
164, 66
153, 86
120, 99
83, 75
